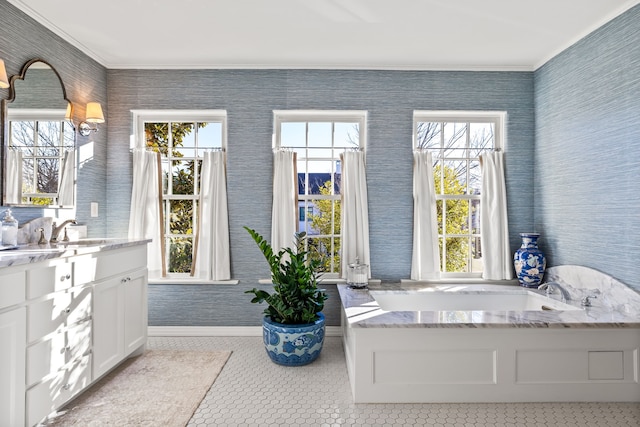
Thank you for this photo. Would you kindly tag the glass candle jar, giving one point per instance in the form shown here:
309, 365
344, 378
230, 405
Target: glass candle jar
9, 229
358, 275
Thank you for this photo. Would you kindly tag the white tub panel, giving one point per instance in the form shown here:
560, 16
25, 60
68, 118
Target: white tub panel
410, 365
551, 366
464, 366
606, 365
575, 366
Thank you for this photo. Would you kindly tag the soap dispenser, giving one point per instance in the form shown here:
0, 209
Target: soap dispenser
9, 229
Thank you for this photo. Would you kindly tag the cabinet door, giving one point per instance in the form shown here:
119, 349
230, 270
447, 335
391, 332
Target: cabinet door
135, 311
108, 326
13, 333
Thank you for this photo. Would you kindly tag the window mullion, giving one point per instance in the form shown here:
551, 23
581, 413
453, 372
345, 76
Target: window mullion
170, 159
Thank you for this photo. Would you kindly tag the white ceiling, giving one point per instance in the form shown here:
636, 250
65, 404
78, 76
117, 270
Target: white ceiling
342, 34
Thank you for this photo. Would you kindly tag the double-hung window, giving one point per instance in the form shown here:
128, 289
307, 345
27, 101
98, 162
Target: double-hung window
318, 138
182, 138
456, 140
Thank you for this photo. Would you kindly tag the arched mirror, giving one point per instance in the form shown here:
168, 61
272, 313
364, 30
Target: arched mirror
38, 140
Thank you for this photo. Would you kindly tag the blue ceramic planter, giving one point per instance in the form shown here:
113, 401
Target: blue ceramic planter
293, 345
529, 261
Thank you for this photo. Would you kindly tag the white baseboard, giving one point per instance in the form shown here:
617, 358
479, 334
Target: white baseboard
220, 331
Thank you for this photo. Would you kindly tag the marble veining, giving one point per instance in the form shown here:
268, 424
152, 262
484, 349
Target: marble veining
582, 281
31, 253
616, 305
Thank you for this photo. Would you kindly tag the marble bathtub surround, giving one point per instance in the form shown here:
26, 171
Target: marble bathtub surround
610, 293
616, 305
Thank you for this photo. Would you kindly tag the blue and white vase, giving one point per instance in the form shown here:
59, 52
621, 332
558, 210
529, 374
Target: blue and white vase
529, 261
293, 345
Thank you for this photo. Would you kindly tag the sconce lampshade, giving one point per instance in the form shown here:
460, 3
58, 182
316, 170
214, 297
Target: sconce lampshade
94, 113
69, 114
4, 81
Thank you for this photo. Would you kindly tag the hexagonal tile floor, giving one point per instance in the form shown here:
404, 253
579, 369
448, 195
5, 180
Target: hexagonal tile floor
253, 391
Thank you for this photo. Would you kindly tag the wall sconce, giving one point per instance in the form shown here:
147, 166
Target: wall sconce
4, 81
93, 115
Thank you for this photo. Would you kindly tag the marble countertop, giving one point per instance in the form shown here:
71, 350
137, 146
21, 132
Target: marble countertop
362, 311
30, 253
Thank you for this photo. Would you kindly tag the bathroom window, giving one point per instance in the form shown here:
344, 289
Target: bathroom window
456, 140
318, 138
182, 138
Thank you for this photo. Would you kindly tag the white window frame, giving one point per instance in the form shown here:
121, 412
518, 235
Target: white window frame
498, 118
140, 117
320, 116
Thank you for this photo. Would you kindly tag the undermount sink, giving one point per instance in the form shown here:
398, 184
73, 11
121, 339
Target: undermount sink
85, 242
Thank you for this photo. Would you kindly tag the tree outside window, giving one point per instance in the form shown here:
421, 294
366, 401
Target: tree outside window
456, 144
319, 138
181, 145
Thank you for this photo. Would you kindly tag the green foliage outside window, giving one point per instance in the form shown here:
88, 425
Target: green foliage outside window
457, 214
40, 201
179, 212
327, 216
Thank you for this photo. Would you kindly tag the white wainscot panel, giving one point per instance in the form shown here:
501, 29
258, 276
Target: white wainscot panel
574, 366
459, 366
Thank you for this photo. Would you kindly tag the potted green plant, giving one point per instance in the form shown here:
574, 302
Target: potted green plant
293, 323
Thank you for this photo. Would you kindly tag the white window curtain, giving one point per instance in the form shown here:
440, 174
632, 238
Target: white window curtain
494, 226
65, 190
211, 258
284, 209
425, 260
354, 225
13, 192
145, 219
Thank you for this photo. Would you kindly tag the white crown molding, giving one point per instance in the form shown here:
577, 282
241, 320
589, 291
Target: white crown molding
347, 67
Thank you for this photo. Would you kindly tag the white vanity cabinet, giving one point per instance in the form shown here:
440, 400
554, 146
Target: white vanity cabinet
120, 309
64, 322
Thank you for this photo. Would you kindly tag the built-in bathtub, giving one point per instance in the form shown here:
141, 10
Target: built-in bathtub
416, 342
466, 298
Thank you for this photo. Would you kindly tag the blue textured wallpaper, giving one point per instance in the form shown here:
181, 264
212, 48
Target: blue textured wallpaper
250, 96
587, 163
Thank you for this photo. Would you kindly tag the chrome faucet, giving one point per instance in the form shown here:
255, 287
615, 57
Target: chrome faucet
550, 288
55, 231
